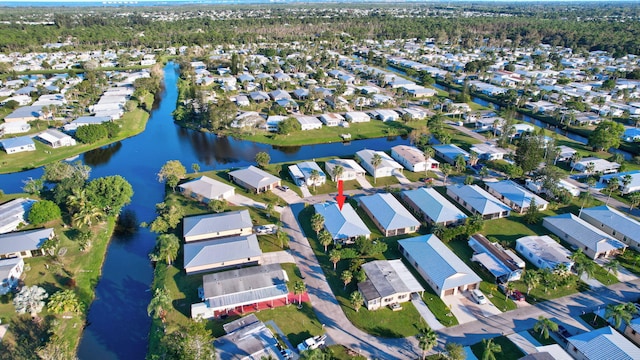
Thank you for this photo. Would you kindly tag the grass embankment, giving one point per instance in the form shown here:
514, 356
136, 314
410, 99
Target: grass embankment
509, 350
132, 123
59, 272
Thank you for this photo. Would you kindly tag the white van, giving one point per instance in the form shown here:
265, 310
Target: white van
478, 296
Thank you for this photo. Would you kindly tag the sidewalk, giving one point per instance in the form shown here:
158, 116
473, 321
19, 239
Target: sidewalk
525, 342
424, 311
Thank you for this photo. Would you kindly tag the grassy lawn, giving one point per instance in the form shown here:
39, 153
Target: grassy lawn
628, 260
509, 350
382, 181
541, 339
340, 352
367, 130
132, 123
604, 277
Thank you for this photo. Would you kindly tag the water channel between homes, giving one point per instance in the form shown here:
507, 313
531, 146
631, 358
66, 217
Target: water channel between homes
117, 324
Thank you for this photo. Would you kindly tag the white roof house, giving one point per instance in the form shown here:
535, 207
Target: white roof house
388, 281
350, 169
357, 117
215, 254
388, 214
10, 273
85, 120
56, 139
387, 167
515, 196
13, 213
449, 152
438, 265
250, 339
254, 179
308, 122
435, 208
579, 233
344, 225
209, 226
489, 152
412, 158
614, 223
331, 119
633, 175
18, 144
502, 263
478, 201
302, 174
207, 188
602, 344
387, 115
543, 251
600, 166
14, 127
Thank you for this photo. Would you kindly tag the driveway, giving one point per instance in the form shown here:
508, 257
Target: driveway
277, 257
459, 310
289, 196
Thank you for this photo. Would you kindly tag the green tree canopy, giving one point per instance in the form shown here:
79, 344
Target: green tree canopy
44, 211
110, 193
606, 135
172, 172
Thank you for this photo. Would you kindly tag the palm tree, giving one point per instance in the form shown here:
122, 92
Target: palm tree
87, 215
446, 171
65, 301
337, 172
612, 267
531, 278
356, 300
314, 176
77, 200
620, 312
490, 349
582, 264
544, 325
575, 159
586, 196
317, 222
626, 181
283, 238
334, 257
612, 185
325, 239
376, 161
159, 304
634, 200
460, 163
427, 340
346, 278
299, 288
167, 246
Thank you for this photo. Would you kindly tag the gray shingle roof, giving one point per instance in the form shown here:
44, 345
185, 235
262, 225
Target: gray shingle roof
216, 251
440, 263
605, 344
255, 177
479, 199
388, 211
24, 240
214, 223
207, 187
583, 232
341, 224
436, 206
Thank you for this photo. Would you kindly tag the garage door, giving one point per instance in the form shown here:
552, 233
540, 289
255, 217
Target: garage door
449, 292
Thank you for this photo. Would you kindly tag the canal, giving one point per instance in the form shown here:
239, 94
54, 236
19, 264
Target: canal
117, 324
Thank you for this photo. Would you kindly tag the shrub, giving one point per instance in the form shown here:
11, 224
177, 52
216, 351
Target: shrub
44, 211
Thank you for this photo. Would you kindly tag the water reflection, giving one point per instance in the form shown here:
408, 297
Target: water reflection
101, 155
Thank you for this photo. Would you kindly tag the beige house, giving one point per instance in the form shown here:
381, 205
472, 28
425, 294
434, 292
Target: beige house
24, 244
388, 282
211, 226
217, 254
254, 179
389, 215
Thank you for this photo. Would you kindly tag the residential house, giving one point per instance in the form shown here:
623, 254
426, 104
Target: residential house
413, 159
632, 186
18, 144
259, 96
357, 117
56, 139
488, 152
385, 115
387, 167
308, 122
502, 263
247, 338
273, 122
331, 119
515, 196
350, 169
10, 272
632, 331
24, 243
388, 214
536, 186
242, 100
254, 179
582, 235
307, 173
14, 128
544, 252
438, 265
478, 201
228, 290
614, 223
388, 282
221, 253
206, 189
600, 166
433, 207
210, 226
414, 113
301, 94
248, 119
14, 213
565, 153
85, 120
276, 95
344, 225
24, 114
449, 153
602, 344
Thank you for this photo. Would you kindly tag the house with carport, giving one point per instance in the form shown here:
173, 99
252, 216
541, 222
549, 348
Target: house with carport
432, 207
544, 252
331, 119
515, 196
308, 122
449, 153
247, 338
345, 226
388, 282
602, 344
614, 223
10, 272
357, 117
413, 159
438, 265
350, 169
206, 189
24, 244
13, 213
502, 263
221, 253
210, 226
307, 173
56, 139
594, 242
388, 214
478, 201
254, 179
387, 167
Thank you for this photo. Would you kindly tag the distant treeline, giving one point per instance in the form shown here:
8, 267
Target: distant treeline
612, 28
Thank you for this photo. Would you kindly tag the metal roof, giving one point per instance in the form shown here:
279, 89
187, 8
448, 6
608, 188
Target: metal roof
390, 277
388, 211
582, 232
434, 205
478, 199
436, 260
16, 142
14, 242
14, 211
605, 344
411, 154
614, 219
251, 341
200, 253
255, 177
545, 248
341, 224
516, 193
214, 223
207, 187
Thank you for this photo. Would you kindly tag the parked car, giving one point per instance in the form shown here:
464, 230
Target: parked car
312, 343
516, 295
262, 229
478, 296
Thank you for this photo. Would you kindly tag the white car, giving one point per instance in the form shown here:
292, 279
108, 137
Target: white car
312, 343
478, 296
